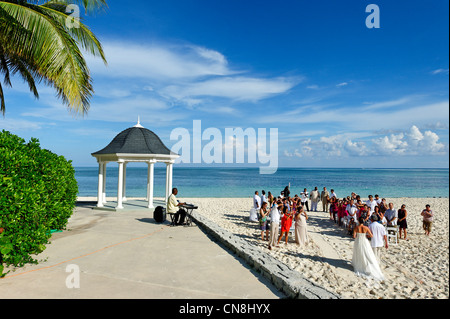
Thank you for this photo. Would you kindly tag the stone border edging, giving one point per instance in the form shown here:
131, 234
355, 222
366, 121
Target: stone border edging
287, 280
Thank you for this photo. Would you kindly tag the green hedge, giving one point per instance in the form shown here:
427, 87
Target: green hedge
38, 193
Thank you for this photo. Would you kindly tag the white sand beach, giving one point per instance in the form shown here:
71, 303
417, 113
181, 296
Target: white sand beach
418, 268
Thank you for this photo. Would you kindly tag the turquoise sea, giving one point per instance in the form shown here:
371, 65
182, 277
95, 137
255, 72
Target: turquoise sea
243, 182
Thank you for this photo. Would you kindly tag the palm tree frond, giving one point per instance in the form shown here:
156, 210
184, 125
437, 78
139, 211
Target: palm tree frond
4, 68
90, 6
2, 101
81, 34
18, 66
51, 52
37, 43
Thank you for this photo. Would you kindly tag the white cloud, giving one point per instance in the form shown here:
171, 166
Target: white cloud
342, 84
162, 83
153, 112
415, 135
307, 151
218, 110
111, 92
426, 143
388, 104
17, 125
437, 126
287, 154
150, 110
439, 71
331, 145
157, 61
293, 137
234, 88
390, 145
211, 55
296, 153
180, 73
411, 142
355, 148
364, 119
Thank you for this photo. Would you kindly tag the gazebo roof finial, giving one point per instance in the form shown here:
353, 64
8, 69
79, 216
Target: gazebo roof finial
139, 123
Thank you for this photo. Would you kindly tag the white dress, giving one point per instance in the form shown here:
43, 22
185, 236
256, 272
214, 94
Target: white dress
364, 261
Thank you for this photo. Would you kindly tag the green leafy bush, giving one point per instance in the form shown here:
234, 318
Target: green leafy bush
38, 192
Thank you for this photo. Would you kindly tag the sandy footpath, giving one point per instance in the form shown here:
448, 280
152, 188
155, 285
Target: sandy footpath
418, 268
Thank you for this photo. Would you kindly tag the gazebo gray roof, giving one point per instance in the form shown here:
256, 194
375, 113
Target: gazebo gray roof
136, 140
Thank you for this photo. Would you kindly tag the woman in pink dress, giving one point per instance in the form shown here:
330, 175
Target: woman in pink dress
342, 211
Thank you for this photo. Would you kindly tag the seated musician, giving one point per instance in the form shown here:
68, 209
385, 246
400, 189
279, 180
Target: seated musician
172, 208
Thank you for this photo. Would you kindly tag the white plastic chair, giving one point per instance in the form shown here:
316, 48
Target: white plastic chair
253, 215
344, 223
292, 230
392, 235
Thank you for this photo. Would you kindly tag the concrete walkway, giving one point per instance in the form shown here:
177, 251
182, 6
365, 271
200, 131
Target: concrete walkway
127, 255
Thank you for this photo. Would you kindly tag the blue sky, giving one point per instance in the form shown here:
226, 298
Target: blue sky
340, 94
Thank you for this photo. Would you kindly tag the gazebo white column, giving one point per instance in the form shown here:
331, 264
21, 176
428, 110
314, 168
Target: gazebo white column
104, 184
124, 182
150, 182
169, 173
171, 178
101, 166
120, 186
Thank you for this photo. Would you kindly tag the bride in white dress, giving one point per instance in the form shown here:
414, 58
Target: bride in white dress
364, 261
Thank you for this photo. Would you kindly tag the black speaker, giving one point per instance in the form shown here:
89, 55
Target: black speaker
159, 214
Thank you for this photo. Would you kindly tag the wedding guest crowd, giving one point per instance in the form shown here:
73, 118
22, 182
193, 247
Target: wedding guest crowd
281, 216
375, 219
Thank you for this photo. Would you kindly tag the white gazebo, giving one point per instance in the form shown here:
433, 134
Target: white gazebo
136, 144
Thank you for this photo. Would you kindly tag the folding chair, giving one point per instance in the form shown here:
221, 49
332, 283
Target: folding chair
392, 235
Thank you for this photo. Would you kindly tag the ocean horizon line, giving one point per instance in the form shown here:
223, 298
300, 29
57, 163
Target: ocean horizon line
288, 168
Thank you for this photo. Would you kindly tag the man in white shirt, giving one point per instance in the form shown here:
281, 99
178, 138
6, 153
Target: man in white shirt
172, 208
257, 201
371, 203
379, 238
314, 196
378, 199
304, 199
263, 197
333, 194
254, 212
